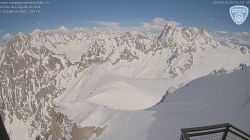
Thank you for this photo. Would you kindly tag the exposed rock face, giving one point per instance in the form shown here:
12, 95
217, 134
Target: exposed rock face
85, 133
36, 68
184, 44
28, 81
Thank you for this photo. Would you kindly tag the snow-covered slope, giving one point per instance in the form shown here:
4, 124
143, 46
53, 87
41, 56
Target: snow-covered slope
216, 98
94, 77
108, 97
114, 91
178, 62
213, 99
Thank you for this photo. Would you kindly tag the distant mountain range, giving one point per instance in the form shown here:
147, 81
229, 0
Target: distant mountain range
72, 84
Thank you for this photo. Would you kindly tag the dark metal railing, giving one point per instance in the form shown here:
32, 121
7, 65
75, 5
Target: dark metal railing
214, 132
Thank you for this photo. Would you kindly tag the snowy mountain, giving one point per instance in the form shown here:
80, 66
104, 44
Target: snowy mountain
213, 99
59, 83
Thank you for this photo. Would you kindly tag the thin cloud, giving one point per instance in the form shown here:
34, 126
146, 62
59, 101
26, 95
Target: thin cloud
162, 21
212, 18
221, 32
242, 33
107, 24
7, 36
155, 25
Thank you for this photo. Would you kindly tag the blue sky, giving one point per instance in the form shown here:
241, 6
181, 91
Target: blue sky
85, 13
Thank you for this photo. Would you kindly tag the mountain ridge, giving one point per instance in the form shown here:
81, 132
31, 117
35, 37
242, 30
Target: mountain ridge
37, 70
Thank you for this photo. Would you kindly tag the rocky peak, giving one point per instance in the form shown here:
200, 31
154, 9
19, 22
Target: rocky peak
36, 68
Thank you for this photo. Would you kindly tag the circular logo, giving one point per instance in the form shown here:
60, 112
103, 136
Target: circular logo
238, 17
